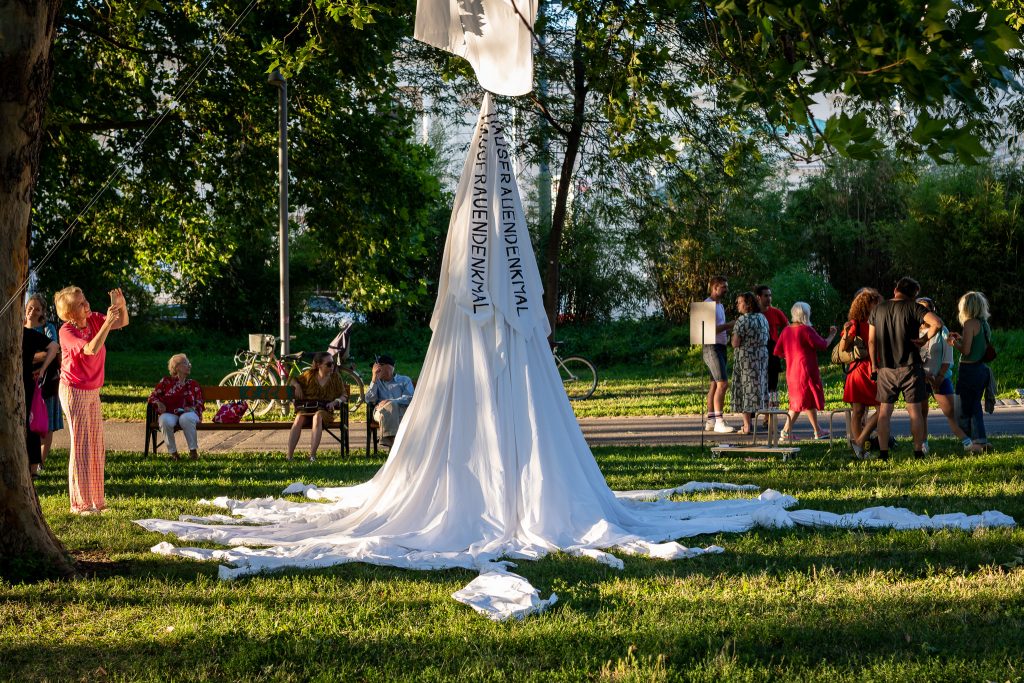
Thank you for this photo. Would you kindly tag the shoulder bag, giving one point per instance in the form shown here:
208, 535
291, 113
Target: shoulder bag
990, 351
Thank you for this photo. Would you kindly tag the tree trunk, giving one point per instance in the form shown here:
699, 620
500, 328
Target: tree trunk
572, 149
28, 549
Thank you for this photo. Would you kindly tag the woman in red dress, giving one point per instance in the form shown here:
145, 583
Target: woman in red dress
860, 391
799, 345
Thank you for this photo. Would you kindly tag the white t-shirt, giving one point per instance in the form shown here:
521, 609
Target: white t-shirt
723, 336
936, 352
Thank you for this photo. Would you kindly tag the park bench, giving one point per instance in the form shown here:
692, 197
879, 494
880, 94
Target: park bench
337, 427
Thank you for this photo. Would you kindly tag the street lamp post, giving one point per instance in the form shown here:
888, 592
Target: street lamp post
277, 80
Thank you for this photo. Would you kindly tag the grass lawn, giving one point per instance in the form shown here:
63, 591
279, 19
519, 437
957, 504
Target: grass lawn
797, 604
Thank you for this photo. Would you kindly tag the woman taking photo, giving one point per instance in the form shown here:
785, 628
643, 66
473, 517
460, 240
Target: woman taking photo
750, 361
859, 390
83, 339
973, 314
318, 391
799, 345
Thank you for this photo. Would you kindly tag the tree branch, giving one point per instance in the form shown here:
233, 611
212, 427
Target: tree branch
92, 31
547, 115
103, 125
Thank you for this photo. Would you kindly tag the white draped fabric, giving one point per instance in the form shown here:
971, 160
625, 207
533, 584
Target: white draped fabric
490, 462
493, 35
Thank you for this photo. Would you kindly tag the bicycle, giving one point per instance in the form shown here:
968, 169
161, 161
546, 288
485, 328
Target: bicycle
267, 369
579, 376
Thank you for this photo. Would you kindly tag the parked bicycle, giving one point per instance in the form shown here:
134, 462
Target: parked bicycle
579, 376
265, 368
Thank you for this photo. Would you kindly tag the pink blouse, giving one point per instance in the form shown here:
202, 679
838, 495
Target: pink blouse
77, 369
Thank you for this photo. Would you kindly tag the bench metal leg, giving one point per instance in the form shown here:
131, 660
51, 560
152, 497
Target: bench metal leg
848, 414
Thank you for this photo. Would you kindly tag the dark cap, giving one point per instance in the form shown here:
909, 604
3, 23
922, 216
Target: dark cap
385, 359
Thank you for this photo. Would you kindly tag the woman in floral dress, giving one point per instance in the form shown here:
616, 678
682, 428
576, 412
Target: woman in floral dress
750, 361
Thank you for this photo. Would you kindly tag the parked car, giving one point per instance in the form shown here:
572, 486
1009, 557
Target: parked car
323, 311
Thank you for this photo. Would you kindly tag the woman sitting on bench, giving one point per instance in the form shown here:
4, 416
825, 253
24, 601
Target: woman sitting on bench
318, 391
179, 403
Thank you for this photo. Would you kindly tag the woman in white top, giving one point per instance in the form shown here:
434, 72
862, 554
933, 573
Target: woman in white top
937, 356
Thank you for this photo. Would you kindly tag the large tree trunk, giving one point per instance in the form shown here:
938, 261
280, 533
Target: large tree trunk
27, 547
572, 149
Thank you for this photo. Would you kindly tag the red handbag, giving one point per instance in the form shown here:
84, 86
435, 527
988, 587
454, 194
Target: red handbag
231, 413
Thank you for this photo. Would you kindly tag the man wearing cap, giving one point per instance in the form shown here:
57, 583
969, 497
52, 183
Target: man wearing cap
392, 394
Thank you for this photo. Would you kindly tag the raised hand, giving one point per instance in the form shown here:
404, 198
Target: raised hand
116, 297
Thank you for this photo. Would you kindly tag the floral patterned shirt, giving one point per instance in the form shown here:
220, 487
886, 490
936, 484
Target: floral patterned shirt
178, 396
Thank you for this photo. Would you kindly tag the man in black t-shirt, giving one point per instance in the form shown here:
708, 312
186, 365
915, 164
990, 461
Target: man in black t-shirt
894, 343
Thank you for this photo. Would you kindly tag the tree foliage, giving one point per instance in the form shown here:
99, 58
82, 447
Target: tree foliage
963, 231
704, 221
194, 213
844, 216
926, 78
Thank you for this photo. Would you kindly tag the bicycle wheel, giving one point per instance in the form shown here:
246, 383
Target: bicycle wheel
356, 388
579, 377
253, 377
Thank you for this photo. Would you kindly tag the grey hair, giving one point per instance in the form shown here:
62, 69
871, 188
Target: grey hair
173, 362
801, 313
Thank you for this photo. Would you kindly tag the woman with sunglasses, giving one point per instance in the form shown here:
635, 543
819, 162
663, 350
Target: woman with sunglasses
318, 391
178, 400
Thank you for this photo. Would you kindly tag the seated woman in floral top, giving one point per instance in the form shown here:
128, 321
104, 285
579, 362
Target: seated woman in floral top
318, 391
179, 402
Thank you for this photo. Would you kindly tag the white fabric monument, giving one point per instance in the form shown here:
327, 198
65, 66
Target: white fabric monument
490, 462
495, 36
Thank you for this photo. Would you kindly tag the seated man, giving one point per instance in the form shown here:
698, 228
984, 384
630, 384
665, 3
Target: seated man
392, 394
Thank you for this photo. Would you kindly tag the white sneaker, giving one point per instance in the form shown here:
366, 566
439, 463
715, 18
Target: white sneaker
722, 428
709, 426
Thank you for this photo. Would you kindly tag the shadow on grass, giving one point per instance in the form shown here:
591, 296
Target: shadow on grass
422, 638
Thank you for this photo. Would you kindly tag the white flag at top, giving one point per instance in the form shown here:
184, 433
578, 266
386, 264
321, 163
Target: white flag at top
494, 35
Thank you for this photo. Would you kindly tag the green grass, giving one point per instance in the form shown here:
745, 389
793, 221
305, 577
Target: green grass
799, 604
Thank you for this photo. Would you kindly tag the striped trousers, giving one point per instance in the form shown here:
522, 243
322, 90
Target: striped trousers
88, 453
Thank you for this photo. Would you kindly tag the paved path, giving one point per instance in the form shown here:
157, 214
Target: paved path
604, 431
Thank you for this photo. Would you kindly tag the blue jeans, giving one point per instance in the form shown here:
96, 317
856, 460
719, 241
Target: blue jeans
970, 385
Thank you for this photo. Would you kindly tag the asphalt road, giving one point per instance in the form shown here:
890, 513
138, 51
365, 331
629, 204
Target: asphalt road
606, 431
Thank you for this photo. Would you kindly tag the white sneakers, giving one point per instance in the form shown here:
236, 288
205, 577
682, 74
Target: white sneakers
722, 428
719, 426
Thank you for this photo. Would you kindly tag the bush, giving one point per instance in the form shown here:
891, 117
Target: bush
796, 283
